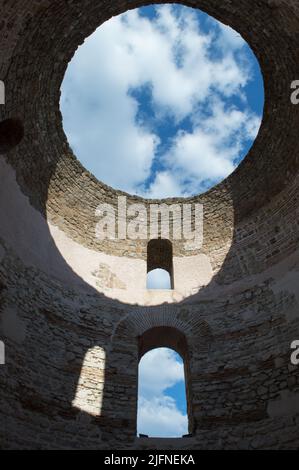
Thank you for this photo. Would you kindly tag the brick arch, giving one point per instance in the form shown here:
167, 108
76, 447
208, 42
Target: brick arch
11, 134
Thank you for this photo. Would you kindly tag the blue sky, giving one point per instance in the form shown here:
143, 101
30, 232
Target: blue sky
162, 101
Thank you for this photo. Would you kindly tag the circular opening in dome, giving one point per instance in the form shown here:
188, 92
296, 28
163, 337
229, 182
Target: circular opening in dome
162, 101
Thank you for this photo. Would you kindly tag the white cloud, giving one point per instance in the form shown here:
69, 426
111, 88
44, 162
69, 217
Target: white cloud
158, 414
101, 126
170, 55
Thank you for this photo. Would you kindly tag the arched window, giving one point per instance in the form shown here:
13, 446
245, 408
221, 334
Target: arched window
159, 260
164, 394
2, 353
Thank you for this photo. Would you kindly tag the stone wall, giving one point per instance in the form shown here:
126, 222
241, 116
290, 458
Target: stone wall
71, 327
